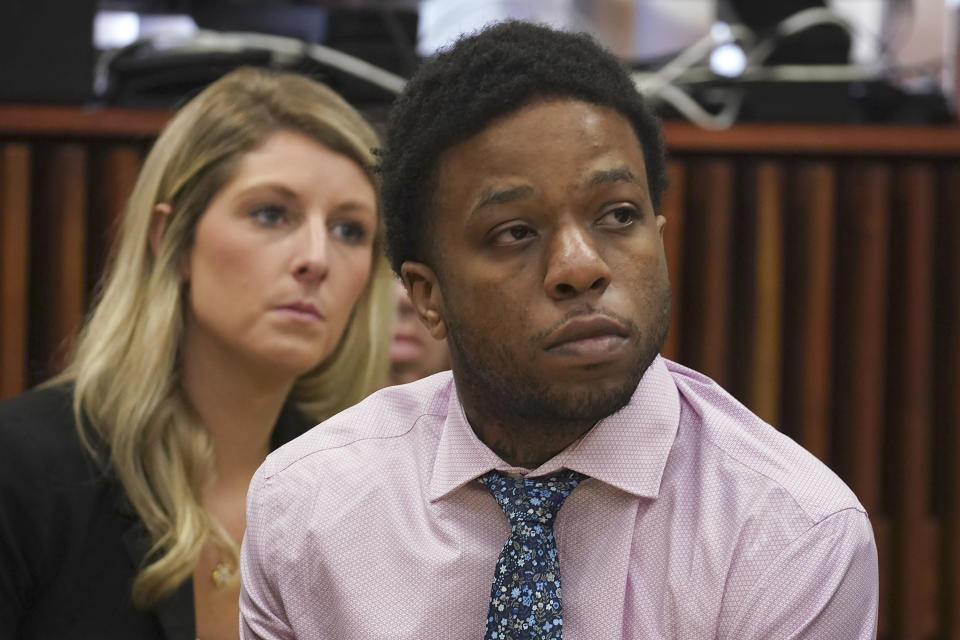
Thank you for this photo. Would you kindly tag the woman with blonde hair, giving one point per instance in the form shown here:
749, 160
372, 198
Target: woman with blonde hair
246, 300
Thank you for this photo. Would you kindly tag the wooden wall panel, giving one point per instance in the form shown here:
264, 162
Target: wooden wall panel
672, 208
58, 286
761, 339
707, 296
947, 404
808, 301
910, 398
118, 168
862, 267
113, 173
14, 266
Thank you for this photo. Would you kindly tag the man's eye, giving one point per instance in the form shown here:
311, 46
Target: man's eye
269, 215
350, 232
512, 235
619, 217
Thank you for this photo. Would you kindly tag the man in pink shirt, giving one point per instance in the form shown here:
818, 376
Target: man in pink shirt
521, 183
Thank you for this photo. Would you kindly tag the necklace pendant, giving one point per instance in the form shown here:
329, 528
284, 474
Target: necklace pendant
221, 574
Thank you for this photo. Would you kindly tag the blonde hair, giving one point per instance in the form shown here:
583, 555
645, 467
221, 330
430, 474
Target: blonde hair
125, 367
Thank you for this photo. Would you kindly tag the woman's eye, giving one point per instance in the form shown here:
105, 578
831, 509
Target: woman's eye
512, 235
350, 232
619, 217
269, 215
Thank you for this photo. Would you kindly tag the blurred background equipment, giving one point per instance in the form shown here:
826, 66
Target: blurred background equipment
46, 50
154, 53
797, 61
713, 62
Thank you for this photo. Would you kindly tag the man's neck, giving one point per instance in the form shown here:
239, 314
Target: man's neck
518, 442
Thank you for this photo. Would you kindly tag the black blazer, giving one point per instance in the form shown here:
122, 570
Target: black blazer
70, 543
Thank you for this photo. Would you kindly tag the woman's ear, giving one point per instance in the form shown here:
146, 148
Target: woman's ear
159, 220
424, 290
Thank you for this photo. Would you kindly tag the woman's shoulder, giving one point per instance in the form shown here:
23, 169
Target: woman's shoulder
41, 413
41, 403
38, 432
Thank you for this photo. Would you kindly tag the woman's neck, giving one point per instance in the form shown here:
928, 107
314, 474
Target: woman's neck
237, 405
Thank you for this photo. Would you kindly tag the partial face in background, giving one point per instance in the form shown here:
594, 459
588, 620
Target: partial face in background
280, 256
550, 276
414, 353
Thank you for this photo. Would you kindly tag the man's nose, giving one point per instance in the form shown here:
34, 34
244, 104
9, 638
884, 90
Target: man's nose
312, 261
574, 265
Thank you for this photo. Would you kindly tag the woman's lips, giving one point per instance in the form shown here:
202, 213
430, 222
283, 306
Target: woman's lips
302, 310
405, 348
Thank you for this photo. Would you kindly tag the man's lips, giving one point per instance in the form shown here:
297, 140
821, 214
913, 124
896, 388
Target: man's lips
593, 336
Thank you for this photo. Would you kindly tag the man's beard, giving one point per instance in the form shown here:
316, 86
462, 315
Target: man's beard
487, 373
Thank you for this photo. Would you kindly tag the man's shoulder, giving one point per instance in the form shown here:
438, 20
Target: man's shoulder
374, 424
753, 454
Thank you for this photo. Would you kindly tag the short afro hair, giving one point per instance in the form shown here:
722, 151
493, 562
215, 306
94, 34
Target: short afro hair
480, 78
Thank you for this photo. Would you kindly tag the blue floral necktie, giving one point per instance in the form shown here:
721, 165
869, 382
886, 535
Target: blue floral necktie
525, 597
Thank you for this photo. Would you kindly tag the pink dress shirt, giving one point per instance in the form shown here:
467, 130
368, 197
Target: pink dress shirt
698, 521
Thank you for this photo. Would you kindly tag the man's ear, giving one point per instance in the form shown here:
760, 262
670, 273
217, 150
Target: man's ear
159, 220
424, 290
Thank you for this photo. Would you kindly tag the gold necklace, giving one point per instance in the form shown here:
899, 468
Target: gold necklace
221, 574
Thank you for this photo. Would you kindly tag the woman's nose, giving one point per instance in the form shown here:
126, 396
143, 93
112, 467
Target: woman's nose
312, 260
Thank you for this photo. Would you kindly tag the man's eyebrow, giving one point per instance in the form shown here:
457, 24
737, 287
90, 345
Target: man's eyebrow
502, 196
607, 176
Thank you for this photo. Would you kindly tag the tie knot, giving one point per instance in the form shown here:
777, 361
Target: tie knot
531, 499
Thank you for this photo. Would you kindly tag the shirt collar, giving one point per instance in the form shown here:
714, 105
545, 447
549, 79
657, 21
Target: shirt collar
627, 449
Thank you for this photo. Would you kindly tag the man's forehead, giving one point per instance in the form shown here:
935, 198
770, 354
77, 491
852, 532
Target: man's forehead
567, 128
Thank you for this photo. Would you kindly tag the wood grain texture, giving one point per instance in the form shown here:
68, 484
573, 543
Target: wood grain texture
910, 397
114, 170
860, 383
46, 120
58, 290
765, 299
947, 363
14, 266
808, 370
706, 321
815, 139
672, 208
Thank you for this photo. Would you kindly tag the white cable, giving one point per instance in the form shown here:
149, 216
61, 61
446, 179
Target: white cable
794, 24
661, 85
652, 83
205, 41
815, 73
238, 41
689, 107
790, 73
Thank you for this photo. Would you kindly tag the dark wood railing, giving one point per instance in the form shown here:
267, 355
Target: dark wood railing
816, 272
